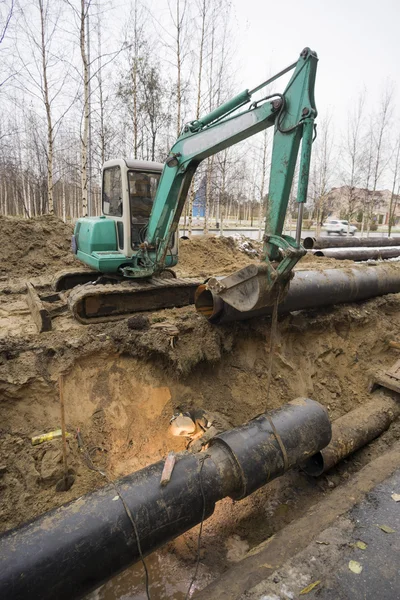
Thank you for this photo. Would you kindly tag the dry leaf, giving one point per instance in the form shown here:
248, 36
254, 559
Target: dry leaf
310, 587
355, 567
361, 545
396, 497
386, 528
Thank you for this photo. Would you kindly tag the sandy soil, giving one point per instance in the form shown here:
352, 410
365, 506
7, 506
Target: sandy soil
122, 385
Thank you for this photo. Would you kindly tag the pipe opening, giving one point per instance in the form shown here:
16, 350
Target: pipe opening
314, 466
308, 243
319, 253
206, 303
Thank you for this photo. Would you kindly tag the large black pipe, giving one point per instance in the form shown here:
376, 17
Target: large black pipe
73, 549
311, 243
312, 289
359, 254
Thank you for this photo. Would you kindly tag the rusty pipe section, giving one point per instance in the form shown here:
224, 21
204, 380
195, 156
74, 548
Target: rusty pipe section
73, 549
311, 289
353, 431
359, 254
312, 243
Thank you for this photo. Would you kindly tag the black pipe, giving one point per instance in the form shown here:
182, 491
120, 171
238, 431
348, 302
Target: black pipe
311, 243
359, 254
73, 549
311, 289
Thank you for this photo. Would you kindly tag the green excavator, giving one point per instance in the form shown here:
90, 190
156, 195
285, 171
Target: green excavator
133, 245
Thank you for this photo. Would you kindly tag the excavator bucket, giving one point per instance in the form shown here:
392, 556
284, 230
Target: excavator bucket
247, 289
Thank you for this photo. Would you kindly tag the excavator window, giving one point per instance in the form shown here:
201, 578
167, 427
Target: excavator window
112, 192
142, 191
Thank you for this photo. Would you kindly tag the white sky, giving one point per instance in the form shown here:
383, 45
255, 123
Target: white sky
357, 42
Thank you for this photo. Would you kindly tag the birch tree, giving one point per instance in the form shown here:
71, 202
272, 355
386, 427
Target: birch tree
394, 196
322, 171
84, 8
42, 72
7, 8
352, 156
379, 133
203, 17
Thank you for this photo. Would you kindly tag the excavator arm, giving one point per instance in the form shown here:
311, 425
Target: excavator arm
292, 114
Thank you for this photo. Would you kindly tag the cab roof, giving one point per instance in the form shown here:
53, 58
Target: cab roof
137, 165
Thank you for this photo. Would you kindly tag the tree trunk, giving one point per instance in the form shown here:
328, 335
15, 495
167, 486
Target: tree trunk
46, 100
202, 38
85, 133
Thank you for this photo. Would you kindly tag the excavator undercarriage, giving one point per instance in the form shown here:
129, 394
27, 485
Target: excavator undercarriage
92, 297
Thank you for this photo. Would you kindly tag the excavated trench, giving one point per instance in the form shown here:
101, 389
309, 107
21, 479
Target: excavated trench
123, 382
122, 385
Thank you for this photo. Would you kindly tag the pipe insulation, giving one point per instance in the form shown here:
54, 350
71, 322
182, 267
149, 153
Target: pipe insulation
311, 289
359, 254
312, 243
72, 550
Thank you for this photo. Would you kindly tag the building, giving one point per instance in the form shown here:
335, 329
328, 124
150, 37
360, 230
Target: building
376, 204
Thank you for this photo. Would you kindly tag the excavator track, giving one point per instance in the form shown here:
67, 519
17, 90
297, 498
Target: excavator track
92, 303
68, 279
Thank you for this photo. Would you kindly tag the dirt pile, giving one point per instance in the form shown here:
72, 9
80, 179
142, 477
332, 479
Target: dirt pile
34, 246
203, 256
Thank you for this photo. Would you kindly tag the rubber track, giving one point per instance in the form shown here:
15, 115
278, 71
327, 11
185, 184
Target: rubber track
111, 302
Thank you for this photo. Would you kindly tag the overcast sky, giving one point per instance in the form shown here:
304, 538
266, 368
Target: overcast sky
357, 42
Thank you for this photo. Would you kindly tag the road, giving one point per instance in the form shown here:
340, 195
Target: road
253, 233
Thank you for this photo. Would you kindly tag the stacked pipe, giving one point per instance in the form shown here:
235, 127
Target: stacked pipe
351, 248
311, 243
75, 548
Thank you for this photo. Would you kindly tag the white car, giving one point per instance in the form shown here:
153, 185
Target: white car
340, 227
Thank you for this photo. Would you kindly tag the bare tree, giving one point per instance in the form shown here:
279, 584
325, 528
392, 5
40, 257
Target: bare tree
179, 20
367, 174
352, 156
394, 197
84, 8
203, 17
43, 74
153, 92
322, 170
6, 14
380, 160
262, 188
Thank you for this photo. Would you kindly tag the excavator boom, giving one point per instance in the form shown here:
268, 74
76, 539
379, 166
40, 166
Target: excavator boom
292, 114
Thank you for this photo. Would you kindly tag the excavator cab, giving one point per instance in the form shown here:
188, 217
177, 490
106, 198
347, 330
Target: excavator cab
110, 243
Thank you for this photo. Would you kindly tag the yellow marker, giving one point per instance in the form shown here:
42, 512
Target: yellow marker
47, 437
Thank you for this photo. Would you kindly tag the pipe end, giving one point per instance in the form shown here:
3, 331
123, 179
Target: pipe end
315, 465
308, 243
207, 304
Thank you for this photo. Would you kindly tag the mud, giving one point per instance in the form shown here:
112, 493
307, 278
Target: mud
122, 385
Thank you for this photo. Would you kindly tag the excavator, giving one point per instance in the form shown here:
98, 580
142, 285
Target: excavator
132, 247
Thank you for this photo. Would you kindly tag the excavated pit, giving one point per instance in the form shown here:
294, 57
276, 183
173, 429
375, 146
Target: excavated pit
123, 382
